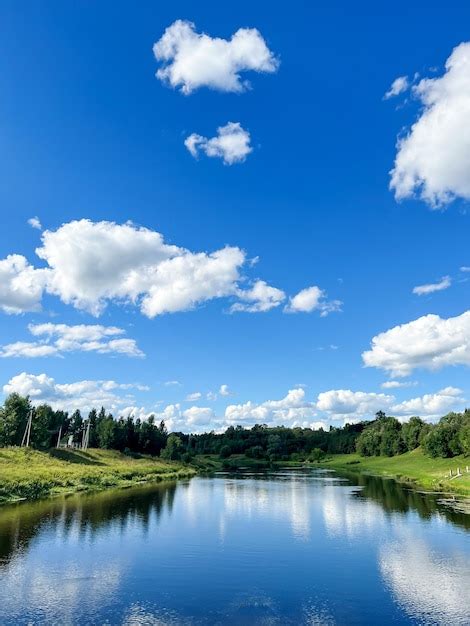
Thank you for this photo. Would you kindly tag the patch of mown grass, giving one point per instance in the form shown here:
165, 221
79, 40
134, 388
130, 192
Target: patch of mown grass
412, 467
29, 474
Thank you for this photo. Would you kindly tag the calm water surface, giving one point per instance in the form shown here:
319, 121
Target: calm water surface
291, 547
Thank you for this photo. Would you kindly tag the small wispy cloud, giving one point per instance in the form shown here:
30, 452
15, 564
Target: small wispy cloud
34, 222
395, 384
399, 86
192, 397
422, 290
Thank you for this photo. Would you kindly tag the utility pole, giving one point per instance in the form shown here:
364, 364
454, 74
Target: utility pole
86, 436
27, 431
59, 437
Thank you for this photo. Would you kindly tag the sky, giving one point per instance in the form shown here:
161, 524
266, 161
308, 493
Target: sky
236, 214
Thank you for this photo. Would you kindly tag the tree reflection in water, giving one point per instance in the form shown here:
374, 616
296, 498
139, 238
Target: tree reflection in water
82, 514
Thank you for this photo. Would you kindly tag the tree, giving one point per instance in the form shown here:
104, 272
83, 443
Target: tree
13, 419
464, 437
412, 432
173, 449
316, 455
76, 426
105, 430
45, 427
255, 452
225, 452
368, 442
93, 421
390, 434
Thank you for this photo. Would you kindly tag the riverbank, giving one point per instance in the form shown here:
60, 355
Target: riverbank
412, 468
27, 474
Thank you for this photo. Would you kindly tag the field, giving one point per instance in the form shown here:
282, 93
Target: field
411, 467
29, 474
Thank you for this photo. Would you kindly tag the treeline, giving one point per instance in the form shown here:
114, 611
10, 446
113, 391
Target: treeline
124, 434
274, 443
386, 436
146, 436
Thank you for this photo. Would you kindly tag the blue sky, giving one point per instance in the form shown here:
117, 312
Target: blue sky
89, 132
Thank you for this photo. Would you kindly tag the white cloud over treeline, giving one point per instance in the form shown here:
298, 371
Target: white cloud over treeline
429, 342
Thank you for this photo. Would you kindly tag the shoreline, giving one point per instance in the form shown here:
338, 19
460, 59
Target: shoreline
413, 469
28, 475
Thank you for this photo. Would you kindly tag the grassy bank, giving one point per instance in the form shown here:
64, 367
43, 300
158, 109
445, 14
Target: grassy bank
412, 467
29, 474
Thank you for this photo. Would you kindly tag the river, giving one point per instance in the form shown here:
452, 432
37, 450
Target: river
287, 547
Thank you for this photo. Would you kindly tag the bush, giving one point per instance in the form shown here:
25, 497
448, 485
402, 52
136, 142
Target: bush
316, 455
256, 452
225, 452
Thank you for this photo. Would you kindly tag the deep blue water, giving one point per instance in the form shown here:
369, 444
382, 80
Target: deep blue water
290, 547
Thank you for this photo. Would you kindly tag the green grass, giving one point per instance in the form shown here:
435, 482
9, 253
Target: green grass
29, 474
412, 467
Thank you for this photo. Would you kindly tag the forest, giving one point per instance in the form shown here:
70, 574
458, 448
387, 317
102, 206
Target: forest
382, 436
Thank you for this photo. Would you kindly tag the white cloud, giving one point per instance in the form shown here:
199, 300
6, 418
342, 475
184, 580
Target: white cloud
290, 410
21, 286
172, 383
35, 222
422, 290
94, 263
395, 384
465, 268
192, 397
83, 395
193, 420
224, 390
312, 299
181, 283
398, 86
198, 416
28, 350
231, 144
429, 342
55, 339
260, 298
339, 403
191, 60
433, 159
431, 405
